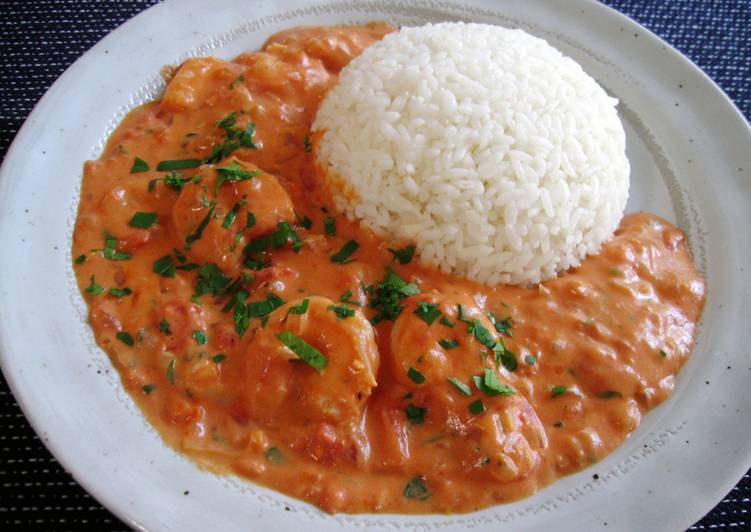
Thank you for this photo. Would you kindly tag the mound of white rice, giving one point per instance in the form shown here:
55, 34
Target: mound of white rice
498, 156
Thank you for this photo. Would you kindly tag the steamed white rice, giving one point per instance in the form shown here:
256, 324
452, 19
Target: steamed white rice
498, 156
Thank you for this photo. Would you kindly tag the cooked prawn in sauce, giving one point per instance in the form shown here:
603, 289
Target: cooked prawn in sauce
267, 336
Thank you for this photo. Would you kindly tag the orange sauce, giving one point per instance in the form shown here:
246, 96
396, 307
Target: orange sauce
380, 427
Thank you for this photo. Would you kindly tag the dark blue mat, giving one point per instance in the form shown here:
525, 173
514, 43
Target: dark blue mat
39, 39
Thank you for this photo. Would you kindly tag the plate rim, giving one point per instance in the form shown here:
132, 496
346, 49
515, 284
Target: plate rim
107, 497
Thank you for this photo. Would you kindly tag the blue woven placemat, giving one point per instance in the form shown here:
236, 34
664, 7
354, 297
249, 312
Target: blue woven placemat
40, 39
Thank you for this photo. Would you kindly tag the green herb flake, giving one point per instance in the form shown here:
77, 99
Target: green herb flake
143, 220
171, 371
346, 297
308, 146
229, 218
531, 360
343, 254
463, 388
448, 344
211, 280
476, 407
177, 164
259, 309
558, 390
94, 288
274, 455
250, 221
164, 266
110, 251
126, 338
484, 336
416, 414
139, 165
148, 388
404, 255
304, 221
504, 355
609, 394
489, 384
417, 489
446, 322
342, 311
300, 309
232, 172
120, 292
201, 226
235, 138
329, 226
559, 424
239, 79
427, 312
80, 259
663, 354
387, 296
200, 337
218, 359
164, 327
415, 375
502, 326
312, 356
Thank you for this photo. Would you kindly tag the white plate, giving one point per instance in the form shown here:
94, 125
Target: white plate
690, 152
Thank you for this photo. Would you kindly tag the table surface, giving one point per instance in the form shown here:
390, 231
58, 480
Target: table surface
39, 39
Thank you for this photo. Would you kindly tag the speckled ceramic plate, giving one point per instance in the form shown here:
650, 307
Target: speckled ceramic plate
690, 151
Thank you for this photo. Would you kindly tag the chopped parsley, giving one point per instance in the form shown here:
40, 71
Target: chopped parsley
476, 408
201, 226
274, 455
484, 336
312, 356
80, 259
342, 311
218, 359
178, 164
343, 254
387, 295
530, 359
171, 371
250, 221
235, 137
329, 226
448, 344
148, 388
404, 255
463, 388
125, 338
489, 384
239, 79
229, 218
143, 220
120, 292
164, 326
502, 326
164, 266
284, 233
174, 180
200, 337
300, 309
427, 312
304, 222
308, 146
505, 356
94, 288
234, 171
110, 249
415, 375
446, 322
663, 354
259, 309
416, 414
139, 165
609, 394
346, 297
211, 280
558, 390
417, 489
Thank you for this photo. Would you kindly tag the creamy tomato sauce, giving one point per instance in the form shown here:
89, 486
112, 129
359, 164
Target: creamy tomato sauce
260, 340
